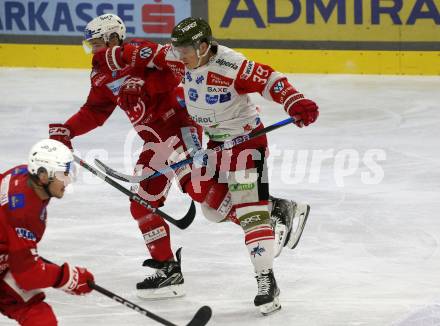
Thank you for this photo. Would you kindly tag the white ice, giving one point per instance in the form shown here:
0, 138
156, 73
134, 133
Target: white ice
369, 254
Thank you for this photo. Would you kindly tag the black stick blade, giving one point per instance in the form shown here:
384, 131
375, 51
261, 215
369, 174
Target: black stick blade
202, 316
186, 221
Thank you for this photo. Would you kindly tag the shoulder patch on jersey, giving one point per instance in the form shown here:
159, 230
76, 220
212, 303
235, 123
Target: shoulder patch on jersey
145, 52
25, 234
16, 201
19, 170
218, 80
278, 87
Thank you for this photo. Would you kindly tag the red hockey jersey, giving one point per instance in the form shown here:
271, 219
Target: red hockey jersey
22, 225
163, 100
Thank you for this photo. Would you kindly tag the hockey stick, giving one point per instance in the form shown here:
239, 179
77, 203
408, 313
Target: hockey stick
226, 145
183, 223
201, 318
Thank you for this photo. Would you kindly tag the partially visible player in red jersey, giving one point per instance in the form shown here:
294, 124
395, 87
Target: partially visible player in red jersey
156, 108
25, 192
165, 128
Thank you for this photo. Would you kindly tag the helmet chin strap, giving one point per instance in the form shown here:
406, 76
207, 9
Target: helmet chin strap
202, 56
46, 189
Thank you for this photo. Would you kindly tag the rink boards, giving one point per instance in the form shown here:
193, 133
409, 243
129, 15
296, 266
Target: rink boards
304, 36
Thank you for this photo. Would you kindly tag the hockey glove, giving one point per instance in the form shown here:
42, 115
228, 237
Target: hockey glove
303, 110
73, 280
60, 132
131, 92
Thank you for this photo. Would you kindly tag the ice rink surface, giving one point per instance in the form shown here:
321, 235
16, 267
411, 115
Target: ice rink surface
369, 254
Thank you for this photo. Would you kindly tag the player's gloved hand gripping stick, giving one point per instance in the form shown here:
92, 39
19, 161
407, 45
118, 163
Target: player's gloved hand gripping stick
199, 157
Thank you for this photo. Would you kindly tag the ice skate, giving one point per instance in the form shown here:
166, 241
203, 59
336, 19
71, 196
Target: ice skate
166, 282
267, 299
288, 220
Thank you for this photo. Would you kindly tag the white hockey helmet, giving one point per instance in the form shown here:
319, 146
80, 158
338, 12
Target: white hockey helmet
104, 26
51, 155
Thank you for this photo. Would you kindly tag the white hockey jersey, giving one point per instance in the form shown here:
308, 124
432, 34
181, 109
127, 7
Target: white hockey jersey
216, 94
212, 99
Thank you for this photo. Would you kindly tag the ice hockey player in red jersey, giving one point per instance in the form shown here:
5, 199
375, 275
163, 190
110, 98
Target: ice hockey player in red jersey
216, 82
155, 106
162, 123
25, 192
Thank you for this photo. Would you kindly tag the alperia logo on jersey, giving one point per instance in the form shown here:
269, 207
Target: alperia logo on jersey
223, 62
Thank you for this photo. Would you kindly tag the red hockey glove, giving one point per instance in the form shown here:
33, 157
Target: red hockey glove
131, 92
60, 132
303, 110
74, 280
134, 54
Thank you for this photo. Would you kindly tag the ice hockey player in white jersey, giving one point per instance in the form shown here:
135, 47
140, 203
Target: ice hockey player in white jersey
216, 82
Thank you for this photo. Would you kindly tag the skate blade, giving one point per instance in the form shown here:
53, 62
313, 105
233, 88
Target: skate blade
303, 210
172, 291
280, 239
270, 308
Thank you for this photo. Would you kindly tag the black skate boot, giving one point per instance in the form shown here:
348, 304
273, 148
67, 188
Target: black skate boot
288, 220
166, 282
267, 298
